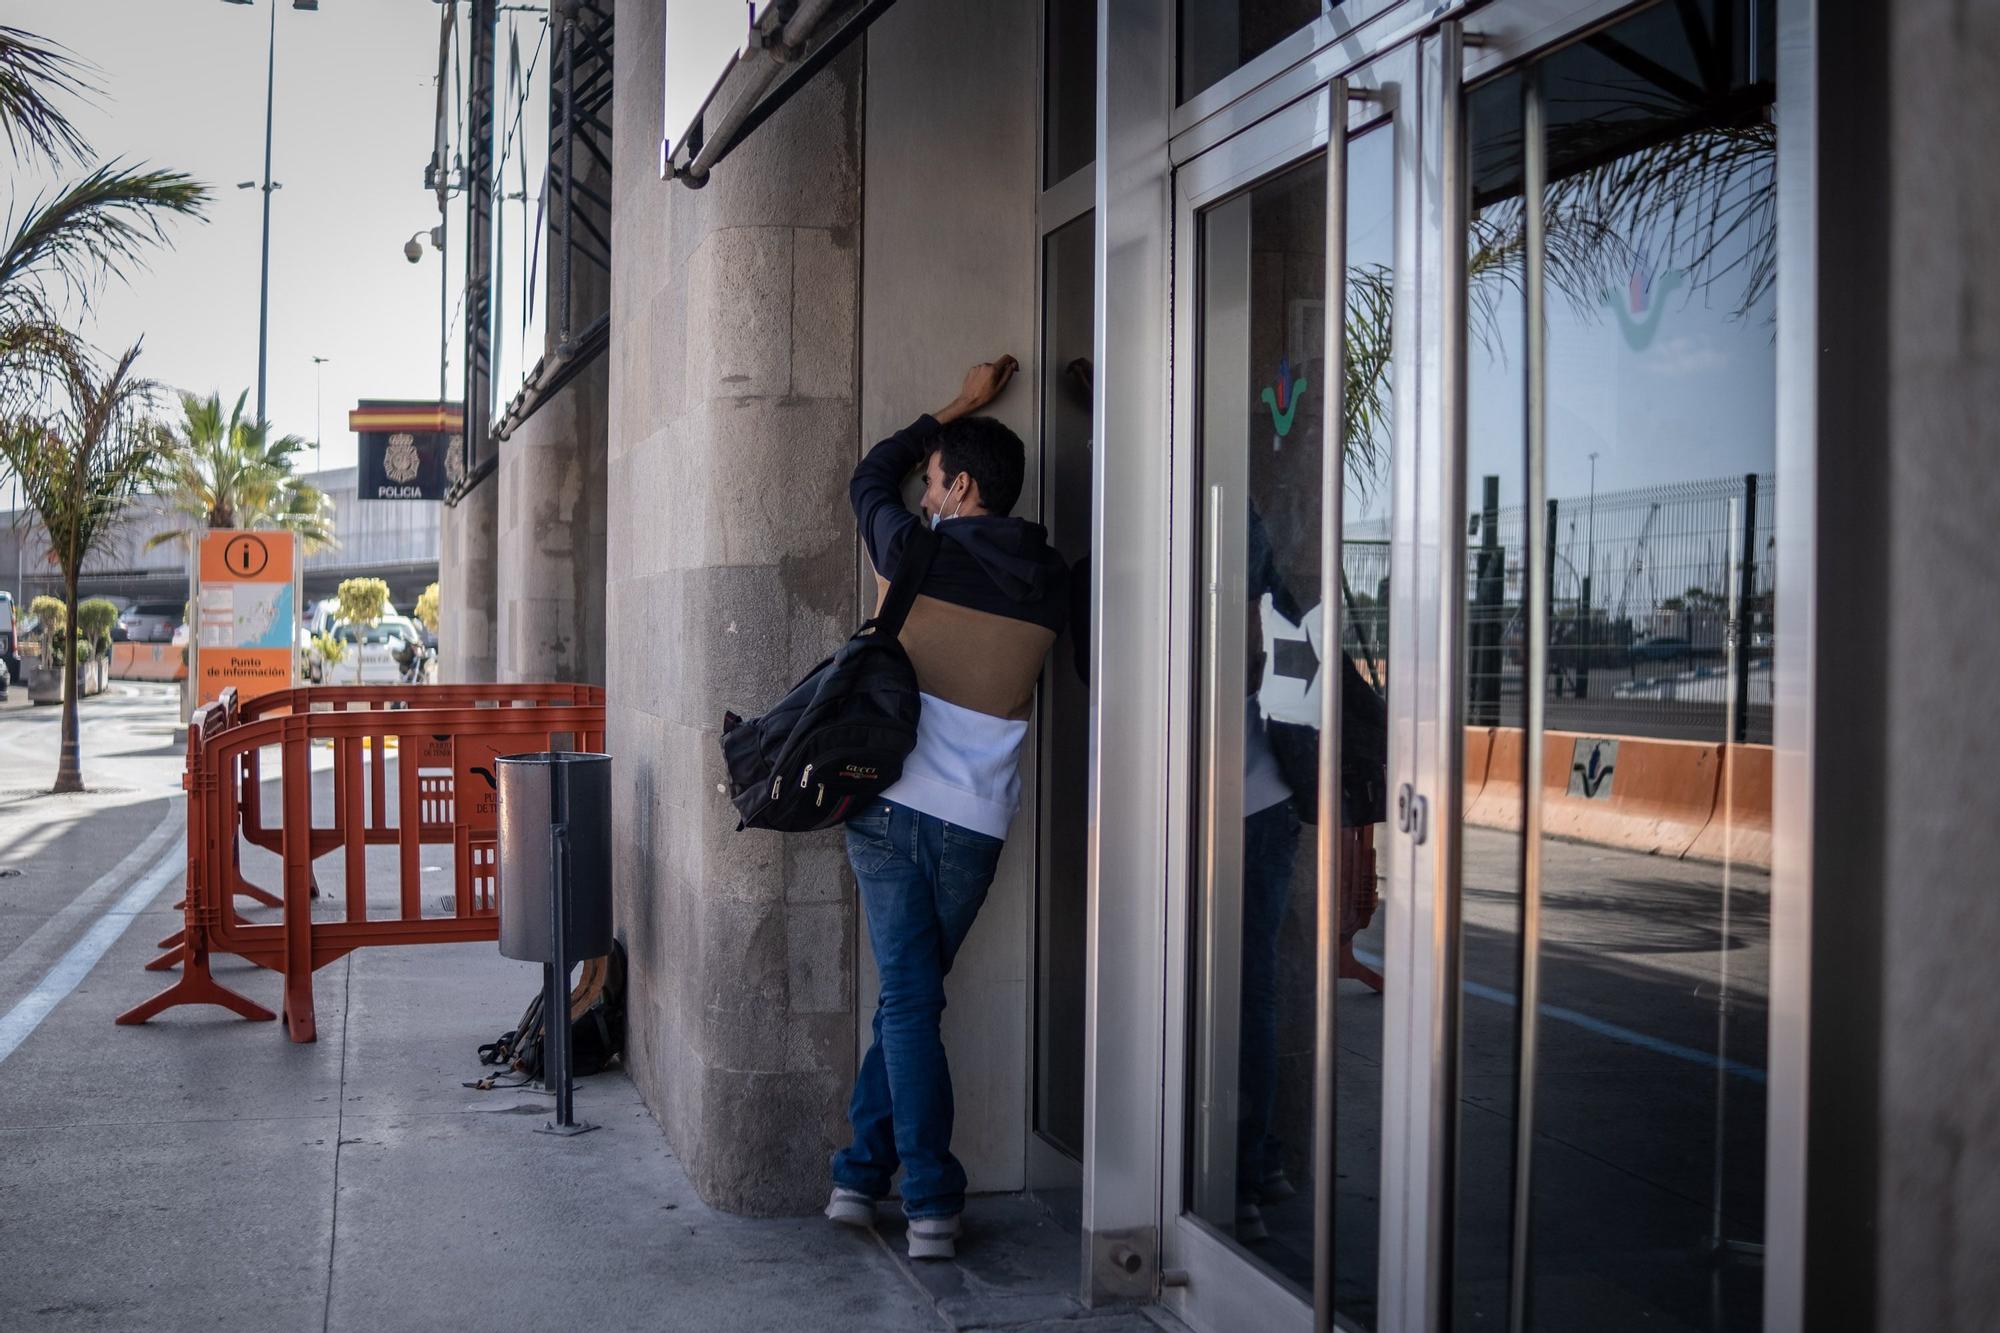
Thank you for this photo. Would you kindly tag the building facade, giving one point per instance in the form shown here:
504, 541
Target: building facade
1515, 855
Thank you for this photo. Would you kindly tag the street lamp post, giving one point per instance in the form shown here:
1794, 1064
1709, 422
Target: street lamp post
1587, 631
264, 278
319, 464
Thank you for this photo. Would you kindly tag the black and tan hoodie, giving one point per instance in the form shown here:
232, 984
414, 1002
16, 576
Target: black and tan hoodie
994, 601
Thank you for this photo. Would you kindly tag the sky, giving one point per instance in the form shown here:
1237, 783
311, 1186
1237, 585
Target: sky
183, 87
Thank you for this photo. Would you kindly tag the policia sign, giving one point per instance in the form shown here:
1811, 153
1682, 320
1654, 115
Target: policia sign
404, 447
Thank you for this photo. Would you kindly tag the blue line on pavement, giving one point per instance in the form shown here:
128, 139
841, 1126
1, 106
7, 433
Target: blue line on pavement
75, 965
1658, 1045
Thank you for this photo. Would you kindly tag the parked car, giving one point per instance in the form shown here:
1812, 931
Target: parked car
1662, 650
323, 617
149, 622
378, 646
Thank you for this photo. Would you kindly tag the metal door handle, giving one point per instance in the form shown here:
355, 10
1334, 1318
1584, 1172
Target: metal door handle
1420, 821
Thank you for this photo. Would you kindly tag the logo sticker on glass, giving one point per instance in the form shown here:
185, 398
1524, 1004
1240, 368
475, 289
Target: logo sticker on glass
1283, 399
1643, 301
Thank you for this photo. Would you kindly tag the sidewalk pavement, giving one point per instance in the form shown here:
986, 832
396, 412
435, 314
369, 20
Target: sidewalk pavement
203, 1172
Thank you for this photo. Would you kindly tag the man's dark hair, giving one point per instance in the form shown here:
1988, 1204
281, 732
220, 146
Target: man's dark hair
991, 453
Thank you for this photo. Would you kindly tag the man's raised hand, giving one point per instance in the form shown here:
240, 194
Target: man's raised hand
983, 383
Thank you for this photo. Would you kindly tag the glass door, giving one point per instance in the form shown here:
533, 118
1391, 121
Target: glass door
1474, 453
1286, 393
1605, 415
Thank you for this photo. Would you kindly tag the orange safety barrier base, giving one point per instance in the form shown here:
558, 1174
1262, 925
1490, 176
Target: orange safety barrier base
1740, 830
1684, 799
148, 661
454, 732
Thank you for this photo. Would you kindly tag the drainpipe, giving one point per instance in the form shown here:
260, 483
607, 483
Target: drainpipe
770, 57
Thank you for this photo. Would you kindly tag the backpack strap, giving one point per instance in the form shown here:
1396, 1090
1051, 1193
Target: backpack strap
919, 549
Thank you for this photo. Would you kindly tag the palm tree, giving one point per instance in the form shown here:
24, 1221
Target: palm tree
80, 465
63, 242
57, 249
230, 472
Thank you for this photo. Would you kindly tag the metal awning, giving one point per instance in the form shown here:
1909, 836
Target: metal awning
759, 60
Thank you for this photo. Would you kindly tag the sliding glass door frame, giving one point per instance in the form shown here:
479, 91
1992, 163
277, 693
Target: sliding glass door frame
1205, 1279
1428, 55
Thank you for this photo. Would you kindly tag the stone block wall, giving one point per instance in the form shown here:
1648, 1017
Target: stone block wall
468, 586
551, 519
732, 427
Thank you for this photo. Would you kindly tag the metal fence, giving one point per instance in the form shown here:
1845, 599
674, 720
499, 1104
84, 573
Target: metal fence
1639, 597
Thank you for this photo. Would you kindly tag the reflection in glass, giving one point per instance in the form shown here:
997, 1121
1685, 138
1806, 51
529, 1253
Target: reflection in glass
1069, 88
1496, 487
1062, 890
1221, 36
1263, 259
1647, 1167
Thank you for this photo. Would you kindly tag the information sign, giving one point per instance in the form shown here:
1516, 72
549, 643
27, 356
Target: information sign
246, 613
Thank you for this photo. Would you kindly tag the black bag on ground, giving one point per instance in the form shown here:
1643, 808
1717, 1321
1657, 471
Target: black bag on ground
596, 1036
841, 734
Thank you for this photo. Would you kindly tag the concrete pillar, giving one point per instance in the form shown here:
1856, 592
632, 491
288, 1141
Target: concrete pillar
551, 584
1935, 640
468, 570
730, 572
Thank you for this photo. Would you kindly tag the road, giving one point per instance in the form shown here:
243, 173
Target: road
55, 849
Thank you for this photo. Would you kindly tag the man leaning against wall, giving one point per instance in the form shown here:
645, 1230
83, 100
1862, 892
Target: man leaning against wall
924, 853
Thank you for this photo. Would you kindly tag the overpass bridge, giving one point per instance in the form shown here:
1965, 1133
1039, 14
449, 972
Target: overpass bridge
395, 541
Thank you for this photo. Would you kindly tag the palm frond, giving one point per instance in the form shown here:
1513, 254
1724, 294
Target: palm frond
36, 354
33, 73
1370, 300
230, 472
92, 227
80, 464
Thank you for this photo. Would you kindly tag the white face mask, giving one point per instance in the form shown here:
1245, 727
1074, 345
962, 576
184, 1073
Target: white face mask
941, 517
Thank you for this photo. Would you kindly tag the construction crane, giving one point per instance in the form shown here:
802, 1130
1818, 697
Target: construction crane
1636, 567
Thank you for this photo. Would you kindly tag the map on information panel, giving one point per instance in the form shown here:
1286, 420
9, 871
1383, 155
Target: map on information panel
246, 615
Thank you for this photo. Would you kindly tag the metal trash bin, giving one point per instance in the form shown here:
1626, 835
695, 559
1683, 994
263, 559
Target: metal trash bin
553, 868
538, 794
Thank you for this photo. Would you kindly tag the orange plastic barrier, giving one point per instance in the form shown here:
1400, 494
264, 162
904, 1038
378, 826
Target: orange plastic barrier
1651, 796
1659, 797
1741, 828
147, 661
447, 738
1358, 899
1498, 804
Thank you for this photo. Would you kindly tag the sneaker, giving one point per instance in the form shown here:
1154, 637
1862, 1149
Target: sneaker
851, 1208
1250, 1228
934, 1237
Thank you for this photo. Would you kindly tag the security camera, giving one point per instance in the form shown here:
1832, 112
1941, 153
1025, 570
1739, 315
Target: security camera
413, 249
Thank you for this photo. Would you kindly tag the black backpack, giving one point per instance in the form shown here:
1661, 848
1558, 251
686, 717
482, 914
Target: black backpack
596, 1036
840, 735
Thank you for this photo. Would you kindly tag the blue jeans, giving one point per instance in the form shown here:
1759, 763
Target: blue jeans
921, 882
1270, 847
